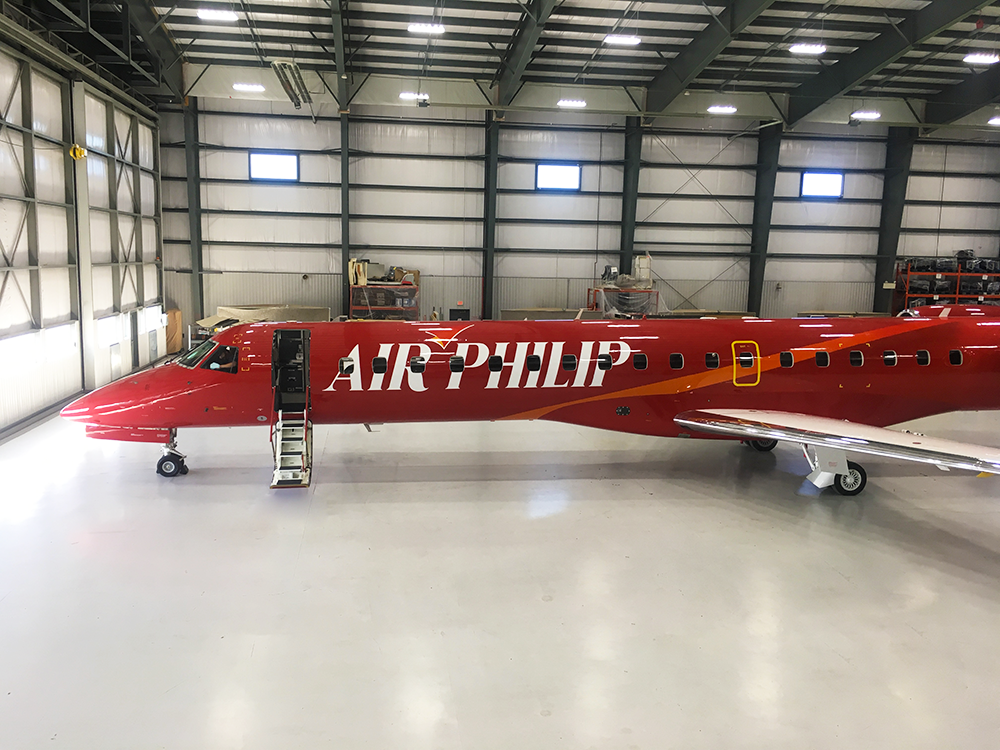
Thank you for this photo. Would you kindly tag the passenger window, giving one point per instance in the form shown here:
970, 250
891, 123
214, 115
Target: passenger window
712, 361
417, 364
857, 358
890, 358
923, 357
346, 366
534, 363
746, 360
380, 365
456, 364
225, 358
822, 359
955, 357
569, 362
604, 362
786, 359
495, 363
639, 361
676, 361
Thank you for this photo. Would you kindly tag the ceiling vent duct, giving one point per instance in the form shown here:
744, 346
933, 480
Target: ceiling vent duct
290, 78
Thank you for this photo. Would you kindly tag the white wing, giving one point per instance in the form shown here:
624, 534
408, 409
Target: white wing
752, 424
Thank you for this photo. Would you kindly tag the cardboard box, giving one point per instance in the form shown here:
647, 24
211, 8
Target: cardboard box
175, 331
400, 274
266, 313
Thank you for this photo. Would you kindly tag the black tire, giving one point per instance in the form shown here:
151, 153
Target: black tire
764, 446
853, 482
184, 468
169, 466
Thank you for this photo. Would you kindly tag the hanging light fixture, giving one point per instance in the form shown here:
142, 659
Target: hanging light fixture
866, 114
425, 28
722, 109
982, 58
807, 49
206, 14
571, 103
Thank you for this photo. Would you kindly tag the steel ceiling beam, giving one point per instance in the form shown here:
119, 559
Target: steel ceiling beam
521, 48
337, 8
145, 22
964, 98
671, 81
873, 56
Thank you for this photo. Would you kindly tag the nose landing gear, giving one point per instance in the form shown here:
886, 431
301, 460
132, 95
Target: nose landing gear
172, 462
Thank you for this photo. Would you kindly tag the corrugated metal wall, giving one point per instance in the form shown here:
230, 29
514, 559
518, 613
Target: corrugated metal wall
417, 200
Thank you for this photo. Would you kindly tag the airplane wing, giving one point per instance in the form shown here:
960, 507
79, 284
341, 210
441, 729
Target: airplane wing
851, 437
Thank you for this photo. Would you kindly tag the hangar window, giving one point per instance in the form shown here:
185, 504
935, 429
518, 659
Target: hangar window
604, 362
955, 357
418, 364
264, 166
822, 359
787, 359
456, 364
822, 185
194, 356
346, 366
857, 359
495, 363
712, 361
923, 357
224, 358
534, 363
640, 361
557, 177
676, 361
890, 358
380, 365
569, 362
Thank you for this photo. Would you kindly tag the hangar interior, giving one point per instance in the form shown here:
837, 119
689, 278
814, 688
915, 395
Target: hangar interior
481, 585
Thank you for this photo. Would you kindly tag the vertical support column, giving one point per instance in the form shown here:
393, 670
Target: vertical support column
192, 159
898, 158
630, 191
31, 194
84, 264
491, 162
345, 210
139, 275
768, 150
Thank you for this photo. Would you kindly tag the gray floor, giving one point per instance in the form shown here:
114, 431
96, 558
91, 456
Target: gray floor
497, 586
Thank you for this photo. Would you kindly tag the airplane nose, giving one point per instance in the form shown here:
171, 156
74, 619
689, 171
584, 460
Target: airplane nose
81, 410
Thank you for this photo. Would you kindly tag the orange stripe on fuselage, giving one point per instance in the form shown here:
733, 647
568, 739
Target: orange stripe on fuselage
685, 383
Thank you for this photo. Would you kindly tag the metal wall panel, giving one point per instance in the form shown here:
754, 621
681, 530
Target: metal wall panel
40, 369
321, 290
445, 292
785, 299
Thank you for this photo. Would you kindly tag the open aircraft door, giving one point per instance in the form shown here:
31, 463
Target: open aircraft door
291, 433
746, 363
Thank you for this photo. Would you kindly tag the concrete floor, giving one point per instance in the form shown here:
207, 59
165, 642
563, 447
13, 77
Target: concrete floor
486, 586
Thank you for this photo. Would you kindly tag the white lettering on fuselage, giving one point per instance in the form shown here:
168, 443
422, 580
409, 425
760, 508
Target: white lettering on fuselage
514, 370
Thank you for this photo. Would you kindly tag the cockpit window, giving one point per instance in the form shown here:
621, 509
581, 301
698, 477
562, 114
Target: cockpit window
225, 358
194, 356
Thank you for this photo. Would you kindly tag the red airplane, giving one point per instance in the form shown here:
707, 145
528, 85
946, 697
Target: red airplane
829, 384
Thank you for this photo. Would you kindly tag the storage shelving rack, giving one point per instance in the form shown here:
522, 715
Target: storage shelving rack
968, 275
385, 302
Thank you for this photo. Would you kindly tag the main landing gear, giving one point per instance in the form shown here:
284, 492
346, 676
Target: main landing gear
830, 467
172, 462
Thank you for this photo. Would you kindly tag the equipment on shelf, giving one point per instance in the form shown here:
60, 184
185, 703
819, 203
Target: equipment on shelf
964, 280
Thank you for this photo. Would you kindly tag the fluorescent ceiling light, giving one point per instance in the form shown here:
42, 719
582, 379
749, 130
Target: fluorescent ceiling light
622, 39
807, 49
722, 109
425, 28
865, 114
411, 96
982, 58
571, 103
255, 87
995, 121
216, 15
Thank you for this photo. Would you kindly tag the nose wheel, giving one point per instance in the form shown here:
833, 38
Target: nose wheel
172, 462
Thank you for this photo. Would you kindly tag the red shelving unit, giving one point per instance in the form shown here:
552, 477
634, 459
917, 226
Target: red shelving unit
951, 292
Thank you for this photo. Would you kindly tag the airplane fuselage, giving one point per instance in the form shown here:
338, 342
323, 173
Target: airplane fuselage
629, 376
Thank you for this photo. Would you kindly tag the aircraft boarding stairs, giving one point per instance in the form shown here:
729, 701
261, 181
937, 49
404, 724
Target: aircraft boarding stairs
291, 432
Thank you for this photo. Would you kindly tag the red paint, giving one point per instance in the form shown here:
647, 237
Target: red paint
172, 396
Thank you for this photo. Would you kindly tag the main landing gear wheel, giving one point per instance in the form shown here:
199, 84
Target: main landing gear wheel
763, 446
853, 482
170, 466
